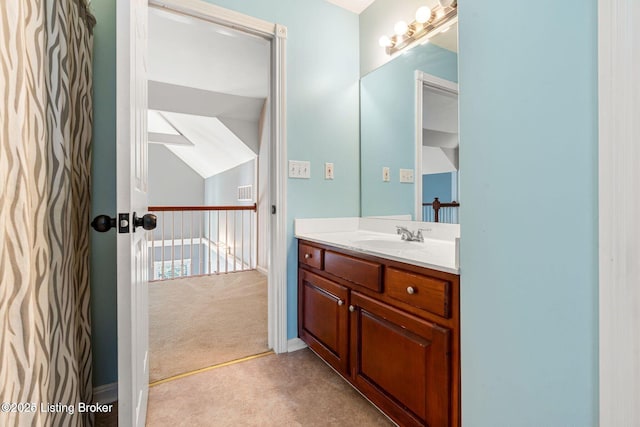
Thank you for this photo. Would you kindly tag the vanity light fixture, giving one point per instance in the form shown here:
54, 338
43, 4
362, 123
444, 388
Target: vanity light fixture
428, 21
401, 28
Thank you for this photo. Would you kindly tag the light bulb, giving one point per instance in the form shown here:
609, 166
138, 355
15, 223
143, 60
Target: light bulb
423, 14
401, 28
384, 41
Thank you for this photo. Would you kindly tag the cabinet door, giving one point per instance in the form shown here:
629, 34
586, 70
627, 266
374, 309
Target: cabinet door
401, 362
323, 318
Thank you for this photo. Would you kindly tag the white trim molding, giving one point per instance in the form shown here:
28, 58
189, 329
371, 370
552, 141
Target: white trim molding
278, 192
295, 344
619, 211
277, 233
219, 15
107, 393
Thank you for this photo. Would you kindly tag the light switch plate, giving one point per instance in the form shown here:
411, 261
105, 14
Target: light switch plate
406, 175
328, 171
299, 169
386, 174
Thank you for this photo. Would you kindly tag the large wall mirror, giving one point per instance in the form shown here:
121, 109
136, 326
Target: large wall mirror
409, 124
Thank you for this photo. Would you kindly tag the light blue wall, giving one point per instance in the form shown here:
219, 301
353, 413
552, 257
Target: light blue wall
528, 150
437, 185
387, 131
322, 105
103, 199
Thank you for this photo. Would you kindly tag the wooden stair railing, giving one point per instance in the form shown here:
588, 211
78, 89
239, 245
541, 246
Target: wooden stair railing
437, 205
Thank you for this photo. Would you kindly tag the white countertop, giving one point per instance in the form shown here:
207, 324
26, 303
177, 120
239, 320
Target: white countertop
378, 237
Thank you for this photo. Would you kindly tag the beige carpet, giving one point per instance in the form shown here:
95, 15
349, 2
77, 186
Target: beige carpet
291, 389
203, 321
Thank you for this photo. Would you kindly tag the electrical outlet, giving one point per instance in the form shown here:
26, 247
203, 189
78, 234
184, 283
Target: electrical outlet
299, 169
328, 171
386, 174
406, 175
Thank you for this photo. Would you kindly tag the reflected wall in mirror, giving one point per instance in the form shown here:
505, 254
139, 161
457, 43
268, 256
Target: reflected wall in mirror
389, 131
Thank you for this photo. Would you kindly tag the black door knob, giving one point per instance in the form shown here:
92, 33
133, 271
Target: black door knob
147, 221
103, 223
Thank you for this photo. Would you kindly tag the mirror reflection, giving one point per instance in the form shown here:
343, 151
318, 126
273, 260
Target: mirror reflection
409, 133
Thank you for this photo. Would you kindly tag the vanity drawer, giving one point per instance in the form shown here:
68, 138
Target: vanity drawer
359, 271
427, 293
310, 256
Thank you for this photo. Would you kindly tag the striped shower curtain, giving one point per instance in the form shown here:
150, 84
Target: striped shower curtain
45, 163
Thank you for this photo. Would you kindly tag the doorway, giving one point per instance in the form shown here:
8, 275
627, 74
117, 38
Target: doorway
131, 100
208, 132
437, 146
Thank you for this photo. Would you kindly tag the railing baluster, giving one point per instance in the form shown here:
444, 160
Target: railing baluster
191, 247
182, 242
209, 245
163, 245
173, 243
235, 246
226, 241
242, 240
200, 258
218, 242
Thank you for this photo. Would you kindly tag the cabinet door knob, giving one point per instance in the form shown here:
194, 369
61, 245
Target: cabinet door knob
307, 256
340, 302
352, 308
411, 290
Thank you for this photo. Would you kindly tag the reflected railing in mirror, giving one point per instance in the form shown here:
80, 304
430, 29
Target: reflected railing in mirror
438, 211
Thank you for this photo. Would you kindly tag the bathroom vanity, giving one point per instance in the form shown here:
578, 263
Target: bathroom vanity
384, 313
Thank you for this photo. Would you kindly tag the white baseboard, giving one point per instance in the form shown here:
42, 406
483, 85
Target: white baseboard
262, 270
295, 344
107, 393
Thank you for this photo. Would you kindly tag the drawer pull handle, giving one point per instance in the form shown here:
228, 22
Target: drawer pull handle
352, 308
307, 256
411, 290
340, 302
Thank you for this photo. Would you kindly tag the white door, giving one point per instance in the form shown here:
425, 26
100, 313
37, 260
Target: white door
133, 340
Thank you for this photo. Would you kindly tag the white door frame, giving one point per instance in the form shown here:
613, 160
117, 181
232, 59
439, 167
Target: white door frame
276, 235
423, 79
619, 211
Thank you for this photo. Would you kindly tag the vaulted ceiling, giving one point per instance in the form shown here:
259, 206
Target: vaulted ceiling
209, 84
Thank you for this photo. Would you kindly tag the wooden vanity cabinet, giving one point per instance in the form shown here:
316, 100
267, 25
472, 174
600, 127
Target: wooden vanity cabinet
396, 341
323, 318
400, 362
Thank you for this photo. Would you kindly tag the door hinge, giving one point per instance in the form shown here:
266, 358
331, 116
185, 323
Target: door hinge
123, 223
273, 209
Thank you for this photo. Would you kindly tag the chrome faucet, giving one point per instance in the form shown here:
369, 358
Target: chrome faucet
408, 235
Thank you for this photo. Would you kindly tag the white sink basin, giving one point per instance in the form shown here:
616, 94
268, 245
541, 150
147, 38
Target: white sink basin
388, 244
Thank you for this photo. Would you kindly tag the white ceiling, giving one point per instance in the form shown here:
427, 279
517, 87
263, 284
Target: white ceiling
190, 52
355, 6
